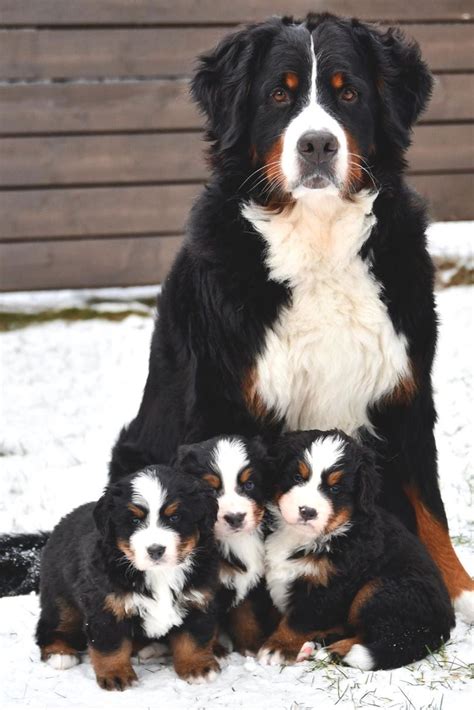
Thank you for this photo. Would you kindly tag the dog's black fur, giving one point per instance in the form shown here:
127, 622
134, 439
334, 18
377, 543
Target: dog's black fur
379, 587
218, 301
88, 573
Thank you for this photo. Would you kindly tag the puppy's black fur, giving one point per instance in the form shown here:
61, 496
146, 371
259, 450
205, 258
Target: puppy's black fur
365, 580
90, 583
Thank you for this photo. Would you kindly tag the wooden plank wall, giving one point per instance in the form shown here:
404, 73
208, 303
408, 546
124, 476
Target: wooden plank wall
100, 147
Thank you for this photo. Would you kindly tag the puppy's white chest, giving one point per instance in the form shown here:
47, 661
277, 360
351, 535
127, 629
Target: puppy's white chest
333, 351
250, 550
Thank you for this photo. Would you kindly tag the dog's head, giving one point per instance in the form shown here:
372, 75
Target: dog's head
156, 517
231, 467
322, 480
323, 104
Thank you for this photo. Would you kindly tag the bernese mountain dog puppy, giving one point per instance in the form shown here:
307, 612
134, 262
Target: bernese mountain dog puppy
341, 570
138, 565
302, 296
234, 469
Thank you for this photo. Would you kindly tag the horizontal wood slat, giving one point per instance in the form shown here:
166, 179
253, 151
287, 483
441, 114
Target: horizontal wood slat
168, 157
86, 263
86, 212
53, 54
70, 12
49, 214
158, 105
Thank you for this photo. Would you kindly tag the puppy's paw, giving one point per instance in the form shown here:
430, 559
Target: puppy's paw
199, 673
62, 661
270, 657
464, 606
306, 651
117, 679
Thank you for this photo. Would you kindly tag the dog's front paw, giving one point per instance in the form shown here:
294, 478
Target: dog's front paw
116, 679
199, 671
273, 654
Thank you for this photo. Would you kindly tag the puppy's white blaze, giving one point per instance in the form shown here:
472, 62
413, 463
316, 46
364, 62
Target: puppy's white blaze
464, 606
323, 454
149, 493
313, 117
229, 458
62, 661
359, 657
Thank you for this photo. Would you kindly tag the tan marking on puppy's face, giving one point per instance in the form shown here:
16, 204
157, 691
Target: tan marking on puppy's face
338, 519
334, 478
337, 80
304, 470
171, 509
213, 480
245, 475
137, 512
124, 546
187, 545
291, 80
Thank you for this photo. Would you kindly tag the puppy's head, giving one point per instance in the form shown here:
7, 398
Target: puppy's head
299, 107
321, 481
231, 467
155, 517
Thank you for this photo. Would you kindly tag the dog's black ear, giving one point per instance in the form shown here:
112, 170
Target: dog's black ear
103, 509
206, 505
404, 80
187, 459
368, 479
222, 82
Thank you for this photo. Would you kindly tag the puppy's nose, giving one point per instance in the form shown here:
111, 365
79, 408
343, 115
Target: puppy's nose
235, 520
317, 147
307, 513
155, 552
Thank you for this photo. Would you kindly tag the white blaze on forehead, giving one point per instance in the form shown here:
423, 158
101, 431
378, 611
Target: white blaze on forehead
229, 458
149, 493
313, 117
321, 455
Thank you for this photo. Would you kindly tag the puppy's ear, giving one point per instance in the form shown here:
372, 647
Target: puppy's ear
403, 79
187, 459
103, 509
207, 506
222, 82
368, 479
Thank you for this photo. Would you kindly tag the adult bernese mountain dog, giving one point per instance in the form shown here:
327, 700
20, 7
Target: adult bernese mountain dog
302, 296
139, 565
341, 570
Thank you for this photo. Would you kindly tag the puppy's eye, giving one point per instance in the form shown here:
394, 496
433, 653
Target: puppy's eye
280, 96
348, 94
335, 489
136, 521
248, 486
298, 478
174, 518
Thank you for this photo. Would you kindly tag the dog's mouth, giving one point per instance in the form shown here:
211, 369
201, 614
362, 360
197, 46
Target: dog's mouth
316, 182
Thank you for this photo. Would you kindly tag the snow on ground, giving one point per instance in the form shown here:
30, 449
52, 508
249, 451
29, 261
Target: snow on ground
67, 388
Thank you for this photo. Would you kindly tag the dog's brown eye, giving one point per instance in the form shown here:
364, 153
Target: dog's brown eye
280, 95
348, 94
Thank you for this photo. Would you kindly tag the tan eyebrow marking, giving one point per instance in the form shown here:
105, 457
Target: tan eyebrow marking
303, 468
337, 80
335, 477
138, 512
212, 479
171, 508
245, 475
291, 80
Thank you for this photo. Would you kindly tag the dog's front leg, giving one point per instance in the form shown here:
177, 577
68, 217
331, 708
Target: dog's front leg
192, 646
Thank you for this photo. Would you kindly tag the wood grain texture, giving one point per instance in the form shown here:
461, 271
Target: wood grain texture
158, 105
86, 263
178, 157
91, 53
101, 211
71, 12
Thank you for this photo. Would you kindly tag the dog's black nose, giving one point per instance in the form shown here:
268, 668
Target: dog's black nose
235, 520
155, 552
318, 147
307, 513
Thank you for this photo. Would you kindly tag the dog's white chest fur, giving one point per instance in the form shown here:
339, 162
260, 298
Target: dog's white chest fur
333, 351
250, 550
